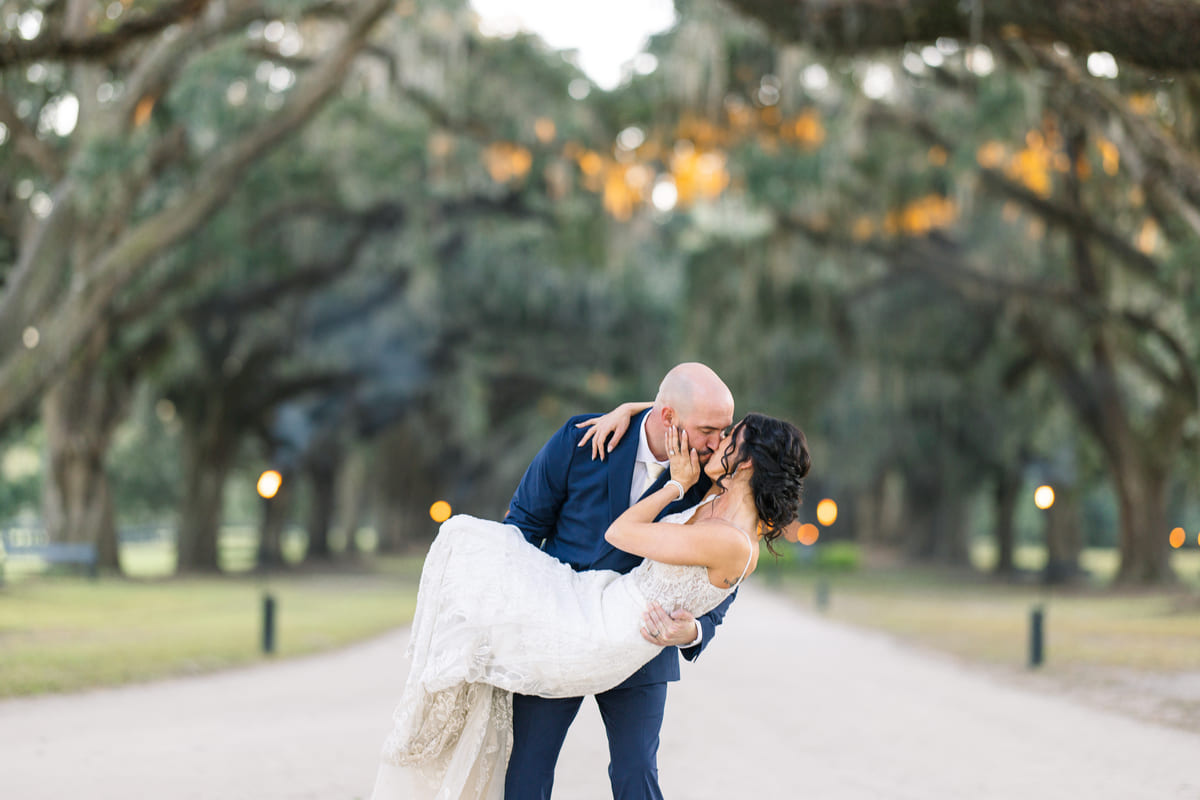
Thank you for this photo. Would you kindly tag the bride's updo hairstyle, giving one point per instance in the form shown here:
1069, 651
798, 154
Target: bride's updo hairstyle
779, 453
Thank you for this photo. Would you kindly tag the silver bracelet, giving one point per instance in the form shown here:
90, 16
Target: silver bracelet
678, 486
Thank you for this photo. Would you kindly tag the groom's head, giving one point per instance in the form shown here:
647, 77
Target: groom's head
694, 398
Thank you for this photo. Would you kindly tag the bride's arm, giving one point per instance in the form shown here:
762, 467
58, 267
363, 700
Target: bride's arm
613, 424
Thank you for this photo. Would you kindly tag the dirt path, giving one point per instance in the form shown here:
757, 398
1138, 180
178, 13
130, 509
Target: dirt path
783, 705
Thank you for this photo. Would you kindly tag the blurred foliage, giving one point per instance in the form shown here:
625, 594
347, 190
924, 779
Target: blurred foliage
945, 261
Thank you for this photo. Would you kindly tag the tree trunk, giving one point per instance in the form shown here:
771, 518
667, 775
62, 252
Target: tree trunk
937, 519
404, 491
351, 503
277, 512
1142, 495
1064, 538
323, 473
80, 413
208, 453
952, 541
1008, 485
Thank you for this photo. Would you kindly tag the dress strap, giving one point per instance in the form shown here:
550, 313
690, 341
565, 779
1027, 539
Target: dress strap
749, 541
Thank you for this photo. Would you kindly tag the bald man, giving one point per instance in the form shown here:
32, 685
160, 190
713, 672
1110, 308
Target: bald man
564, 504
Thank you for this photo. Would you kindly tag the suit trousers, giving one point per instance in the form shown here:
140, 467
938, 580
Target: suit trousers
632, 719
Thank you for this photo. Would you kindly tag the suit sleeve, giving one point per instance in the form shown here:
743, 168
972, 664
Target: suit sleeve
708, 624
543, 489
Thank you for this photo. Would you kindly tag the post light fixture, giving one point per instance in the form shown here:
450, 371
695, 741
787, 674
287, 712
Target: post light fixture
827, 512
269, 483
808, 534
440, 511
1043, 497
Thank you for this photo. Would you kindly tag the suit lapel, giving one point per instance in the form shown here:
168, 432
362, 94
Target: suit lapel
620, 467
658, 483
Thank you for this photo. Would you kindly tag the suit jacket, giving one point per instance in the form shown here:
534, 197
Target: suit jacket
566, 501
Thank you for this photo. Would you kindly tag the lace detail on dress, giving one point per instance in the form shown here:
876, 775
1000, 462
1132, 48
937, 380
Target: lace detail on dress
456, 742
495, 616
676, 587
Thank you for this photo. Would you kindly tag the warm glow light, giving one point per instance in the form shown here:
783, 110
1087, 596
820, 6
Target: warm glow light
544, 129
269, 483
808, 534
141, 112
506, 161
439, 511
1110, 156
1178, 538
827, 512
1043, 497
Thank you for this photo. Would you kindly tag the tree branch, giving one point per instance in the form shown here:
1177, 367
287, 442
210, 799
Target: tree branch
1163, 165
52, 44
944, 261
1072, 219
1157, 34
27, 372
1186, 381
26, 142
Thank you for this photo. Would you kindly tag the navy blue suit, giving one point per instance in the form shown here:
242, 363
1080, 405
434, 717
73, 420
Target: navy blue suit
564, 504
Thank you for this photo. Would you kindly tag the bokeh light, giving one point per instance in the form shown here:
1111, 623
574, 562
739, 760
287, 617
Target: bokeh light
1178, 538
1043, 497
269, 483
827, 512
440, 511
808, 534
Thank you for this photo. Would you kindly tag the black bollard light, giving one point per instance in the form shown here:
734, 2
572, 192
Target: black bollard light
1036, 638
268, 624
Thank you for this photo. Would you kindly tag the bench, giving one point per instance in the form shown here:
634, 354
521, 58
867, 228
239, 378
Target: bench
80, 554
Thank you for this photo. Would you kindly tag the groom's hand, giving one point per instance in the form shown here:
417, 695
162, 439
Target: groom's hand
668, 630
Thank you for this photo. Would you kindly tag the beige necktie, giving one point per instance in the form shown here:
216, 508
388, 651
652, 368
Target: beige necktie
652, 472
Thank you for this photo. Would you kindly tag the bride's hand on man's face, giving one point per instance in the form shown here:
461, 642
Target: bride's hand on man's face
685, 461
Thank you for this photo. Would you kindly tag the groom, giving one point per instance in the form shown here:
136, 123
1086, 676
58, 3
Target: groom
564, 504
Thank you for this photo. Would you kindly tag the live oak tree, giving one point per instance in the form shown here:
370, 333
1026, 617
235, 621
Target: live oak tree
125, 129
1069, 197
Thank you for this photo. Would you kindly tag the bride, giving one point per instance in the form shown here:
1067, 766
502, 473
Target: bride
495, 615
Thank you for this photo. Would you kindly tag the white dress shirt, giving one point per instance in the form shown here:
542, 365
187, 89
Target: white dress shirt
638, 484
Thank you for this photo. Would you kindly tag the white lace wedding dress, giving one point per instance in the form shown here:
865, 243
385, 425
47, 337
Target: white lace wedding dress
496, 615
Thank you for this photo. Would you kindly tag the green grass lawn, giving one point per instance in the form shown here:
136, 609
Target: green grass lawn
61, 633
988, 621
1099, 562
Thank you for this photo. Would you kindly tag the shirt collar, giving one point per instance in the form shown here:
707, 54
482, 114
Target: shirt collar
644, 453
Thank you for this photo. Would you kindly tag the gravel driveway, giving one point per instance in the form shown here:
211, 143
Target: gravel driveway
783, 705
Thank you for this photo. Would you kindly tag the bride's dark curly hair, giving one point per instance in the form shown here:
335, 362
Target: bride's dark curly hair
779, 453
